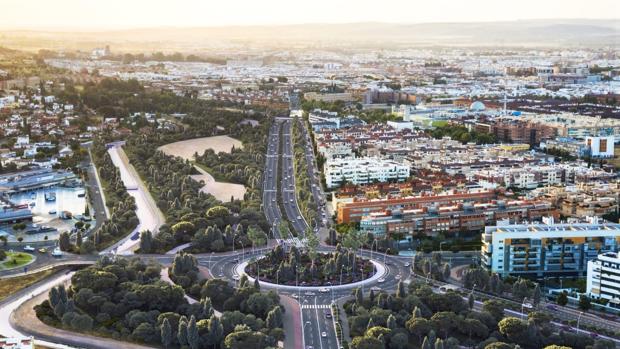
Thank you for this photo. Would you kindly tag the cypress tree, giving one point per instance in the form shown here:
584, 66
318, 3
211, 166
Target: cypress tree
166, 333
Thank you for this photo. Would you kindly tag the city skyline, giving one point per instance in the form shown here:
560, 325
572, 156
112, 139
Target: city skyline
89, 15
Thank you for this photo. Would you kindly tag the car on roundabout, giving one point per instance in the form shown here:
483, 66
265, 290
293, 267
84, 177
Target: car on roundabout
381, 280
324, 290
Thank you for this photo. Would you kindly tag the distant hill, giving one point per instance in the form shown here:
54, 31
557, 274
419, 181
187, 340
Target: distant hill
570, 32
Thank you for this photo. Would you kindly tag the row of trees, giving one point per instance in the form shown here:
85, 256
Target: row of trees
123, 218
305, 199
415, 316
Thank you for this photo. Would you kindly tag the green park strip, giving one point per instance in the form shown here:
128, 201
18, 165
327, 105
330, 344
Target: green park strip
16, 260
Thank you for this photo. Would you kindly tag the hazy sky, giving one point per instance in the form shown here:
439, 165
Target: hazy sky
146, 13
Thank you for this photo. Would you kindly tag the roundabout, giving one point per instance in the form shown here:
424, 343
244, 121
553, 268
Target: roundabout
380, 272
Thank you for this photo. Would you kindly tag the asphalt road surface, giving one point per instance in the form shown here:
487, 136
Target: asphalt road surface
289, 191
270, 184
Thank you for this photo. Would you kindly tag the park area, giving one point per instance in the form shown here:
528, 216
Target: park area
186, 149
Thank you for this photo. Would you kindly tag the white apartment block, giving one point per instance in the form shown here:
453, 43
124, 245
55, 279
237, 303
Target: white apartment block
363, 171
604, 278
548, 248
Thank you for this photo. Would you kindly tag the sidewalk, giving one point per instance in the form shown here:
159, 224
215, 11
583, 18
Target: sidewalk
291, 323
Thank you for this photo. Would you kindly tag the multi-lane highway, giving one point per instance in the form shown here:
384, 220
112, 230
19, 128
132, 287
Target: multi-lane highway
288, 188
270, 181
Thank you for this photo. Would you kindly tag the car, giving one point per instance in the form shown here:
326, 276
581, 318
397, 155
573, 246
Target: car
42, 250
381, 280
309, 293
552, 307
328, 314
298, 217
324, 290
593, 335
28, 248
220, 275
323, 334
294, 295
608, 317
397, 277
407, 264
236, 277
57, 252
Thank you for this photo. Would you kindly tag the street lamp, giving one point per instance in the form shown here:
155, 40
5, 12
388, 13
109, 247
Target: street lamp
579, 318
525, 305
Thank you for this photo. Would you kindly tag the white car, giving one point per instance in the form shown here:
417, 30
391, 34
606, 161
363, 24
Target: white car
381, 280
236, 277
28, 248
323, 334
57, 252
309, 293
324, 290
397, 277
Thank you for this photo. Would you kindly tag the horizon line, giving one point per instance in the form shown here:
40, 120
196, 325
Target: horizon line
64, 28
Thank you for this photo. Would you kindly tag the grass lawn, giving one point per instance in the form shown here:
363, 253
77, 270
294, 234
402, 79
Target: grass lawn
439, 123
12, 285
16, 259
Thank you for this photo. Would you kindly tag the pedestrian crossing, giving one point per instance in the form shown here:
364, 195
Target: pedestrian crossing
315, 306
293, 241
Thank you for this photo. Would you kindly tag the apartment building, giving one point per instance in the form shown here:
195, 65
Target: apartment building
518, 131
582, 200
354, 209
329, 97
363, 171
547, 249
451, 219
603, 278
534, 176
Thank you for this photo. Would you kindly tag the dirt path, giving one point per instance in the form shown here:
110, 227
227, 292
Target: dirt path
221, 191
187, 148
